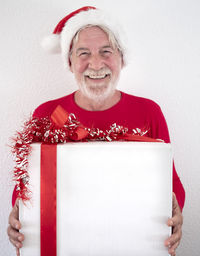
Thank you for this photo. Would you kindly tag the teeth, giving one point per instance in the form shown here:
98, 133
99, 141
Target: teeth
97, 77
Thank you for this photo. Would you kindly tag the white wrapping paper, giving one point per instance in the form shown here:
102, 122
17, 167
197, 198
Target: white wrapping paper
113, 199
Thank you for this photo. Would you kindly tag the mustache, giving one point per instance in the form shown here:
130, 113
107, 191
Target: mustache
100, 72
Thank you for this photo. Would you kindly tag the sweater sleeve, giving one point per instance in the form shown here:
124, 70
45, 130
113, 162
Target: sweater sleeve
45, 109
160, 131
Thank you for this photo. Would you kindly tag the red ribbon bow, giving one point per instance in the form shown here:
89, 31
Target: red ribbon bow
60, 117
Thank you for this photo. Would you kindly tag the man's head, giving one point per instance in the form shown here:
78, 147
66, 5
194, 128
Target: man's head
70, 26
96, 61
92, 48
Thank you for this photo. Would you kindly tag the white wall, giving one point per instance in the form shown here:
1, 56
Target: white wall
165, 39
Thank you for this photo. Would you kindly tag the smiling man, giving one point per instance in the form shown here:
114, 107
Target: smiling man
93, 50
96, 64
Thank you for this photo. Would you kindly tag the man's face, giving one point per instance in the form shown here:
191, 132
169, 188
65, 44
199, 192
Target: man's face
96, 64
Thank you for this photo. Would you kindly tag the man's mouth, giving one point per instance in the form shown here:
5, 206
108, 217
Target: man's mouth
97, 77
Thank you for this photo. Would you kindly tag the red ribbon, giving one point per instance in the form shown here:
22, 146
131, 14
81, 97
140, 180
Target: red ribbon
48, 200
132, 137
59, 116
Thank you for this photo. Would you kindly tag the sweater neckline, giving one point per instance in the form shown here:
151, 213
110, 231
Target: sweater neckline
82, 110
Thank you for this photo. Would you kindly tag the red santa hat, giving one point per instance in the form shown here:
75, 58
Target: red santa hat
61, 39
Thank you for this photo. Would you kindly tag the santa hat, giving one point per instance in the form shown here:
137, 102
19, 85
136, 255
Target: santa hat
61, 39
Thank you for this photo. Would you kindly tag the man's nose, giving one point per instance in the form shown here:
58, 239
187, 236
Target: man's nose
96, 62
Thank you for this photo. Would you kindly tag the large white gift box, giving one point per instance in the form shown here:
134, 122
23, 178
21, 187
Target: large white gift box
113, 199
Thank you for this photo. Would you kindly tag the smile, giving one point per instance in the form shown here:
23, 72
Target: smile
98, 77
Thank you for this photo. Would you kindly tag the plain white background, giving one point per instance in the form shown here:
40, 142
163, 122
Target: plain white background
164, 37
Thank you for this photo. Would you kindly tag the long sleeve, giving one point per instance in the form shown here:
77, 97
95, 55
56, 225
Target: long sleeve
160, 131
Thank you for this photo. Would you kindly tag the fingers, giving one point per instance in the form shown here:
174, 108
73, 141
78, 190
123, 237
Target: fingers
174, 238
172, 250
14, 216
177, 217
176, 223
14, 223
15, 237
173, 242
175, 206
17, 252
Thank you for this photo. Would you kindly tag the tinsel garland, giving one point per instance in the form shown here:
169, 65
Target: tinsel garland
46, 131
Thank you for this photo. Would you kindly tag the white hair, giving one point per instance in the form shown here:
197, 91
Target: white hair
111, 37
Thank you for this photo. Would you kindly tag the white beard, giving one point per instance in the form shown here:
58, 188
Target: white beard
97, 92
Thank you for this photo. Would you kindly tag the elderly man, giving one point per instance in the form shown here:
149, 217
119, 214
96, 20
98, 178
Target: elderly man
94, 52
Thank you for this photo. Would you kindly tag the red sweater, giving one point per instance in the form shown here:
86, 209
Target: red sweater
131, 112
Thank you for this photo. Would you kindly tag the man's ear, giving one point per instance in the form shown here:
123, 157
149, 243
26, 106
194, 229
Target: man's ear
122, 61
70, 65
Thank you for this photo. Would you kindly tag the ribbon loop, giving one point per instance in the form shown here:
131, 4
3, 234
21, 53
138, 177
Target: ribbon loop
59, 116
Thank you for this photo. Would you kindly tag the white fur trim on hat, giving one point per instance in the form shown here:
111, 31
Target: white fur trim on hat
94, 17
51, 43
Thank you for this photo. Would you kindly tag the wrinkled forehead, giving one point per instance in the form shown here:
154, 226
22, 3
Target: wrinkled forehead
90, 31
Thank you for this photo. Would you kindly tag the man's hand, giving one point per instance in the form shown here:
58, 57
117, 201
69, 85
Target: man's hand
15, 236
176, 223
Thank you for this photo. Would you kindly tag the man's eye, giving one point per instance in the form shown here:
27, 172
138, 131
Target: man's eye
84, 53
106, 52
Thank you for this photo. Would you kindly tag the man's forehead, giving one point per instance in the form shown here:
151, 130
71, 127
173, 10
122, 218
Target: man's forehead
92, 34
93, 37
92, 31
100, 48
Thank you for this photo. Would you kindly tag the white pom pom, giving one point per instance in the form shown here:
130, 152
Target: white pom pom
51, 44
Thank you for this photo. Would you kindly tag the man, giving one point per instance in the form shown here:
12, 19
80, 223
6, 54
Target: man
93, 51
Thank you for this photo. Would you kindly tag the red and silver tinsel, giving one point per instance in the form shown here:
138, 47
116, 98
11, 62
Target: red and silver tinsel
51, 130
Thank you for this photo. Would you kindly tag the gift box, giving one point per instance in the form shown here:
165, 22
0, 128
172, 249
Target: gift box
98, 198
